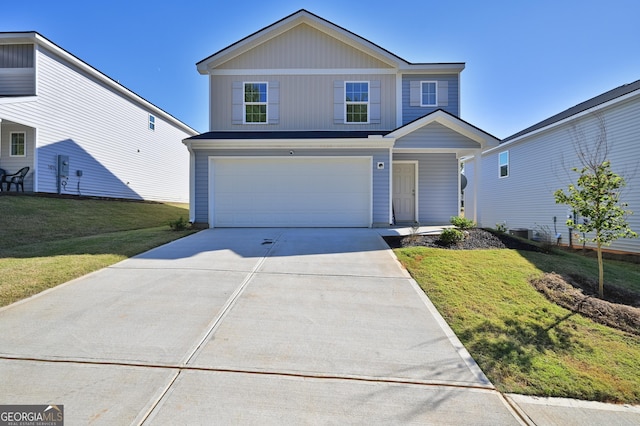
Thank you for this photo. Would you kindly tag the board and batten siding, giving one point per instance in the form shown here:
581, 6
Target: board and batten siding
380, 177
451, 104
437, 186
306, 102
104, 133
17, 73
303, 47
541, 164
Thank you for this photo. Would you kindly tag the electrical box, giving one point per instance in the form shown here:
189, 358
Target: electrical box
63, 165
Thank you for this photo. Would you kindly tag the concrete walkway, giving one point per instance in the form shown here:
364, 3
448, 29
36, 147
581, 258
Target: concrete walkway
254, 326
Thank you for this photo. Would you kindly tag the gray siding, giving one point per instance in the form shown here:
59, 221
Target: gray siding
306, 102
539, 165
411, 113
17, 81
437, 186
16, 55
380, 177
303, 47
435, 135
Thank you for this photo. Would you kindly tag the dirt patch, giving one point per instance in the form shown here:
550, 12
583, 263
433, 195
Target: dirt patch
621, 310
475, 239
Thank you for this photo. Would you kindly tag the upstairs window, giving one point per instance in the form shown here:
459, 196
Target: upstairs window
18, 148
152, 122
503, 163
428, 93
357, 102
255, 102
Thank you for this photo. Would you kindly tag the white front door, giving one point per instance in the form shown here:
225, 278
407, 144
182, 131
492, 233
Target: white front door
404, 192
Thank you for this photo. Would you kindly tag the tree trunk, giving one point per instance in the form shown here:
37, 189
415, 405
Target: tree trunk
600, 272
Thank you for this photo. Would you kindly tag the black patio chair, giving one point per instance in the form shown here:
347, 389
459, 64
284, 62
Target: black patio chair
3, 172
17, 179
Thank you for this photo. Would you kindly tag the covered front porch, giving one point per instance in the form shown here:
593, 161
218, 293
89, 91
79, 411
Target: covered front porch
17, 150
426, 177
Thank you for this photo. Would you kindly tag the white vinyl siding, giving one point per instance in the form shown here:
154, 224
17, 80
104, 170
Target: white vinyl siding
543, 163
105, 135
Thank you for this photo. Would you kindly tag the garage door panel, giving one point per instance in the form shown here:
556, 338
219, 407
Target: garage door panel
280, 192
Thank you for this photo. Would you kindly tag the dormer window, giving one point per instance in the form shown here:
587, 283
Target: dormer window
357, 101
255, 102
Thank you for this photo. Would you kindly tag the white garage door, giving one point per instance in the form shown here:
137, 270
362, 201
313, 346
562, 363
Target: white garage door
291, 192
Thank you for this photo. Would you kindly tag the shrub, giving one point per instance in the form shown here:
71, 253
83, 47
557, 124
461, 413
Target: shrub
501, 227
451, 236
180, 224
462, 223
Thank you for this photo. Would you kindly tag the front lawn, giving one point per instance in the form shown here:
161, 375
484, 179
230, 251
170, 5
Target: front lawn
524, 343
48, 241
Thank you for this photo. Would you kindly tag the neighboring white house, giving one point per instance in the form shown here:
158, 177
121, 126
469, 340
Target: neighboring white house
80, 132
516, 180
312, 125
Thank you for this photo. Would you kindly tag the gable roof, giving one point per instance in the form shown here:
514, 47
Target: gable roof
581, 107
450, 121
38, 39
336, 31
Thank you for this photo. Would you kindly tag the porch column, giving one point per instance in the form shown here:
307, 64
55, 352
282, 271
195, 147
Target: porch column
477, 176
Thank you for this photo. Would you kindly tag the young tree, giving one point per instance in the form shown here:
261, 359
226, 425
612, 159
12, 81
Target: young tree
596, 198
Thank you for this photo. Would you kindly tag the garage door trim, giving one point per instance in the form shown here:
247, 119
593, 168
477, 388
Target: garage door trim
211, 175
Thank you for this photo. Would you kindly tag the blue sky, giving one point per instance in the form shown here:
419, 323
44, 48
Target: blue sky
525, 60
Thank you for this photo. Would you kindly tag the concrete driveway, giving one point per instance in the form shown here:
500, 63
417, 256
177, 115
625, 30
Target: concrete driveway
250, 326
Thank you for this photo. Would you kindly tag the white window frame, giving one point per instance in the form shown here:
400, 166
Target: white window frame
503, 164
367, 103
435, 86
24, 144
245, 103
152, 122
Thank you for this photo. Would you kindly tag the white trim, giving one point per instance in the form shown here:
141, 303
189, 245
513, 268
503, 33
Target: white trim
416, 166
265, 103
399, 110
566, 120
36, 169
192, 185
367, 103
302, 71
17, 99
375, 143
24, 143
452, 122
390, 186
41, 42
505, 164
435, 84
212, 159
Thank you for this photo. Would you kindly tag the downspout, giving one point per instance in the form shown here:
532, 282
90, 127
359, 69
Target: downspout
391, 186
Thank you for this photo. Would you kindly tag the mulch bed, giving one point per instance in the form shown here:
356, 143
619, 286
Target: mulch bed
620, 308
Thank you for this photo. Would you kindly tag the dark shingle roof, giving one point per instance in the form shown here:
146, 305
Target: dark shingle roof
600, 99
314, 134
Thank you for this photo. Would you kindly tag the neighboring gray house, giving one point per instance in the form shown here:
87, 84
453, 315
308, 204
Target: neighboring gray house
517, 179
312, 125
56, 109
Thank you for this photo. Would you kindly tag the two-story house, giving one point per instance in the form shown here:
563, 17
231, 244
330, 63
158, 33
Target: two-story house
312, 125
80, 132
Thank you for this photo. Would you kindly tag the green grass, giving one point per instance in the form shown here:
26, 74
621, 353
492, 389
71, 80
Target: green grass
524, 343
48, 241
